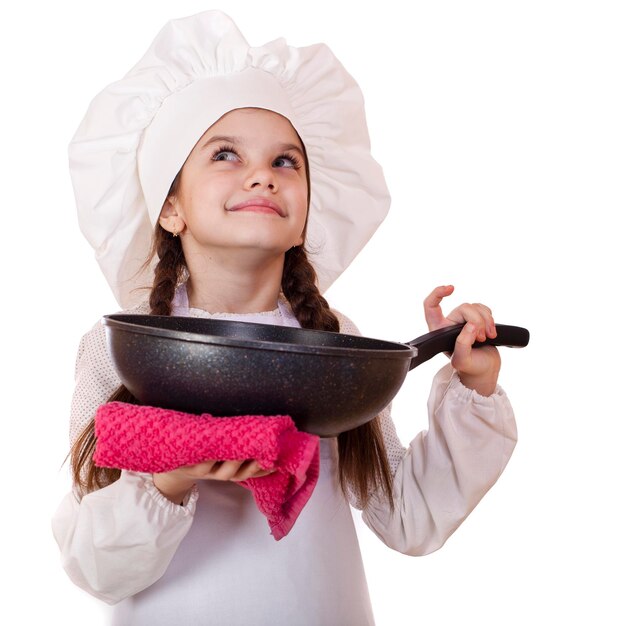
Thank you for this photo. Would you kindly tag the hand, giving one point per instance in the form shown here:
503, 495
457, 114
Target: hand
478, 368
175, 485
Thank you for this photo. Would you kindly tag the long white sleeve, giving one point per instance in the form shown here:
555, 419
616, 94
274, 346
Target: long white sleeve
447, 469
120, 539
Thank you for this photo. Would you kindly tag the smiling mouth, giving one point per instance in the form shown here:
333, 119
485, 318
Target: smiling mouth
258, 205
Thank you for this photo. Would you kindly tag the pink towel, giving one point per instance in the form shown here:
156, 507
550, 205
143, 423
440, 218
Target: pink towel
149, 439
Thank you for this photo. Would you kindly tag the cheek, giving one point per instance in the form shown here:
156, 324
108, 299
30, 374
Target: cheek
300, 197
206, 194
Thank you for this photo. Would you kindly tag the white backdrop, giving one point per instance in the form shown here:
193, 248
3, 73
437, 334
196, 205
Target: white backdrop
502, 131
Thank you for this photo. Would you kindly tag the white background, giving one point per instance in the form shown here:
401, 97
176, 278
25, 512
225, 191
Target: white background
502, 130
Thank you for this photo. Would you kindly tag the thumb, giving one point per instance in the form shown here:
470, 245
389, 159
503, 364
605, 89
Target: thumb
462, 355
432, 306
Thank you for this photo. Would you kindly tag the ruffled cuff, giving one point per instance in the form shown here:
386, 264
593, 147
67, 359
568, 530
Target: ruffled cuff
188, 506
459, 391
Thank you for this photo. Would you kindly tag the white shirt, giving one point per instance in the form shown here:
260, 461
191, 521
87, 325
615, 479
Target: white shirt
213, 561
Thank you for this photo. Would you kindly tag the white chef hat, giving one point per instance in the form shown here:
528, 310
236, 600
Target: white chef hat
139, 131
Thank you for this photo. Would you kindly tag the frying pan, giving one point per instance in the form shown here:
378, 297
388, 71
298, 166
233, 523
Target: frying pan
327, 382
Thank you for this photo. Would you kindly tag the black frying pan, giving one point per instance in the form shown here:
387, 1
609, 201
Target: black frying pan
327, 382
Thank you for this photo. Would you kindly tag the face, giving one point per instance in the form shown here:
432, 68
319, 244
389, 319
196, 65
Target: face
243, 187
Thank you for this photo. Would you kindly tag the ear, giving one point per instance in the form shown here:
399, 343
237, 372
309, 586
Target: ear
170, 218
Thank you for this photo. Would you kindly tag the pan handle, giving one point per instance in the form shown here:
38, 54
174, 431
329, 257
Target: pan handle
443, 340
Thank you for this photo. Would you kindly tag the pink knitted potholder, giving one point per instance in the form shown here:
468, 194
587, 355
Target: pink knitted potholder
150, 439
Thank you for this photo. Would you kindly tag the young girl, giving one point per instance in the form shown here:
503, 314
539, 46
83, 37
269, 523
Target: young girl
239, 159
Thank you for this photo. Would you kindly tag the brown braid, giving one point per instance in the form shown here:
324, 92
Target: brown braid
298, 284
167, 273
363, 463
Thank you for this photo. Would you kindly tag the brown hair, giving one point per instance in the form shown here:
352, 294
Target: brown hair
363, 464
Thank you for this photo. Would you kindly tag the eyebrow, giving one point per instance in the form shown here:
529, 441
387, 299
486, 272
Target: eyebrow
235, 140
221, 139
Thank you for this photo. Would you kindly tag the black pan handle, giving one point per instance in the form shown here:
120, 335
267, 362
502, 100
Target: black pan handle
443, 340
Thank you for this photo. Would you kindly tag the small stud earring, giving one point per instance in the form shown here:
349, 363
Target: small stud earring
175, 233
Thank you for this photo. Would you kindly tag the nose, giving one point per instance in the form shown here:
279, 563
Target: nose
261, 177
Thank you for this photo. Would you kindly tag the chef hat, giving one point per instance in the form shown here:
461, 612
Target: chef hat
139, 131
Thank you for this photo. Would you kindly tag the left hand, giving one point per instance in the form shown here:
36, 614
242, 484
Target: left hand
478, 368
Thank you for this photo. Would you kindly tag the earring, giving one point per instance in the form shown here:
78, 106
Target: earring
175, 233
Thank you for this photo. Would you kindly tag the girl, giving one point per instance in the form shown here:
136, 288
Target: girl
238, 159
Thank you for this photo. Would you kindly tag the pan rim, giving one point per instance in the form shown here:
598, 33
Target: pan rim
396, 350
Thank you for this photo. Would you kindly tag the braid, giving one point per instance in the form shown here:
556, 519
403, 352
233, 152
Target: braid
363, 464
167, 272
298, 284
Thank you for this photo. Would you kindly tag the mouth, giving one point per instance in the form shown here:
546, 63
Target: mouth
258, 205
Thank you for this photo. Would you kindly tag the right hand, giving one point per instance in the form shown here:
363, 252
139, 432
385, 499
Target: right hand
477, 369
175, 485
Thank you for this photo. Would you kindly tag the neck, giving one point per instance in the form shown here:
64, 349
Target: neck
235, 284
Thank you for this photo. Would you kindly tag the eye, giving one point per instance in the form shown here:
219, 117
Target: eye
287, 160
225, 153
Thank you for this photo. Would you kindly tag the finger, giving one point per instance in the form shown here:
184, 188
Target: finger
488, 323
262, 473
248, 469
225, 470
199, 470
479, 315
432, 306
462, 355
